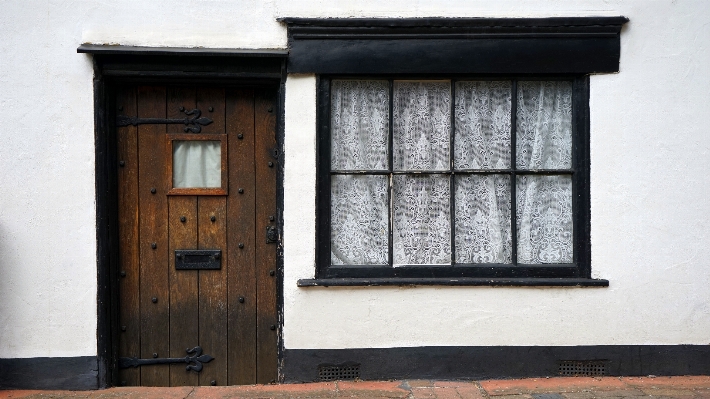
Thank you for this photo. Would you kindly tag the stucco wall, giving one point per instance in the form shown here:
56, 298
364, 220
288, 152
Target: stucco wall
649, 173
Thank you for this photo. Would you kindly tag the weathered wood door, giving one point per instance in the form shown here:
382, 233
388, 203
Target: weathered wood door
164, 309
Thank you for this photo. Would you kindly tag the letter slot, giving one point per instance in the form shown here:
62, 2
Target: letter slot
198, 259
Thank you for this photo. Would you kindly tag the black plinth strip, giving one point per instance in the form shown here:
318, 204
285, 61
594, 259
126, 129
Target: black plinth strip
71, 373
489, 362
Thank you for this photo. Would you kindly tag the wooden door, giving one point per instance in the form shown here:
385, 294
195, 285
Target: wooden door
229, 312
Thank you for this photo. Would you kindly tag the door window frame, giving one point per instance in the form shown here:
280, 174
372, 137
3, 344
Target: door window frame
224, 164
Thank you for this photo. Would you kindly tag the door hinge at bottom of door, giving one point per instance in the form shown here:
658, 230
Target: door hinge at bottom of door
194, 362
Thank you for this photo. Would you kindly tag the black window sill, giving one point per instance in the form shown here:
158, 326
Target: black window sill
458, 281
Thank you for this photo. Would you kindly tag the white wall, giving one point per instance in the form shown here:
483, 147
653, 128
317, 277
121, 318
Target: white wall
649, 163
650, 230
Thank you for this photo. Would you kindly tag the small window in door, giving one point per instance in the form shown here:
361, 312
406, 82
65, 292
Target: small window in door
198, 164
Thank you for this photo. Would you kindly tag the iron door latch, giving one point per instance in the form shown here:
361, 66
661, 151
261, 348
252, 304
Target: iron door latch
272, 235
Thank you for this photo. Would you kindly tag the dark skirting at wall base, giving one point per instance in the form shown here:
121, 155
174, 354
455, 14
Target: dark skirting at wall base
486, 362
72, 373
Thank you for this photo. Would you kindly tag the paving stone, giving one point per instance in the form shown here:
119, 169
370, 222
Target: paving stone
423, 393
420, 383
555, 384
670, 392
18, 393
547, 396
699, 381
142, 392
617, 393
449, 384
267, 391
668, 397
43, 394
533, 388
446, 393
471, 391
371, 389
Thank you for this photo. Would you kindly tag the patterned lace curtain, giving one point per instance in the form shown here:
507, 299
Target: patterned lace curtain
359, 222
421, 119
359, 141
420, 207
544, 203
359, 125
483, 228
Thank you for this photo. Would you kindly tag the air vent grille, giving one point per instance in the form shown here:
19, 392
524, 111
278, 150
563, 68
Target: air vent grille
583, 368
345, 371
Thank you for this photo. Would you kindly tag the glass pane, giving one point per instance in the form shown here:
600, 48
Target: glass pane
483, 219
359, 124
544, 219
544, 125
482, 112
197, 164
358, 220
422, 227
421, 125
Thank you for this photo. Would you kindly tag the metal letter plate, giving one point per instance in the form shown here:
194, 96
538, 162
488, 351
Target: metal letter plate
198, 259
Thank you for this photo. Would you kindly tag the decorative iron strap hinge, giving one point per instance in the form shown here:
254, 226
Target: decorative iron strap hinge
195, 121
194, 362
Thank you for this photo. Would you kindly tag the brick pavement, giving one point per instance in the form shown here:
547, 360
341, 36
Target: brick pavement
690, 387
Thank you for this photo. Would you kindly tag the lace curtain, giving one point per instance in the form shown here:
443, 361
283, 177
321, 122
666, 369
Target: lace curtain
482, 113
422, 224
358, 220
197, 164
483, 231
420, 208
421, 119
544, 203
483, 228
359, 141
359, 124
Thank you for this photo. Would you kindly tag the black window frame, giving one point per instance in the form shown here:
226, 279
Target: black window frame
568, 48
578, 269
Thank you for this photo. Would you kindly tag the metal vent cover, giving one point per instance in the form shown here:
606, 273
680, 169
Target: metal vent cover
344, 371
583, 368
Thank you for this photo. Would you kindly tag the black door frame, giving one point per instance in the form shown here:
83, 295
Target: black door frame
117, 65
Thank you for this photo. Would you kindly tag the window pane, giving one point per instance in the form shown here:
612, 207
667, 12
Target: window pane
483, 219
421, 125
482, 112
544, 219
544, 125
359, 124
358, 220
197, 164
422, 229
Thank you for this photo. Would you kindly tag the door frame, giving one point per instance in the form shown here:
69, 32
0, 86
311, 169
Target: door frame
118, 65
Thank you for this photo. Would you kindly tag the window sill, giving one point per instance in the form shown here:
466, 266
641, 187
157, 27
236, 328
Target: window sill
459, 281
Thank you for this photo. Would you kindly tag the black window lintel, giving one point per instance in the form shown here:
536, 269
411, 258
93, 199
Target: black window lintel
576, 45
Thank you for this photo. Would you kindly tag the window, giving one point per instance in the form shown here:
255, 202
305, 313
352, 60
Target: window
451, 177
453, 151
198, 164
